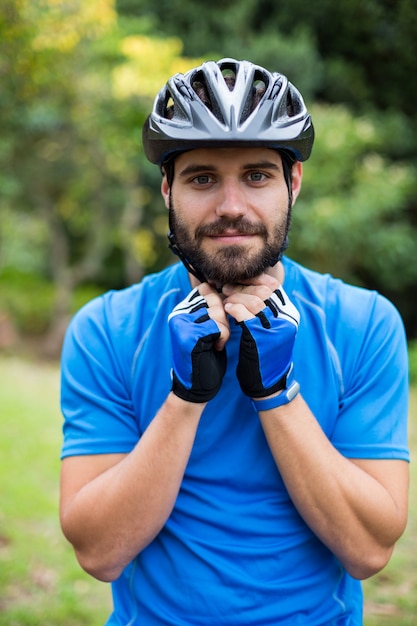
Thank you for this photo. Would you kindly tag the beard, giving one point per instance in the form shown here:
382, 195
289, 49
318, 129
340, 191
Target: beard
230, 264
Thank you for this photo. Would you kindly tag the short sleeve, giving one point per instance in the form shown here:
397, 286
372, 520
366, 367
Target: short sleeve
95, 397
373, 417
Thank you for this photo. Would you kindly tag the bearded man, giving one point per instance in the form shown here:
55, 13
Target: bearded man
235, 436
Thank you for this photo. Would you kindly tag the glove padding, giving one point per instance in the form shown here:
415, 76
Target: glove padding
198, 367
266, 347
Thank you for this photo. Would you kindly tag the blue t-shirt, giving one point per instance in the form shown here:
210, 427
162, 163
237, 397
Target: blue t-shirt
235, 551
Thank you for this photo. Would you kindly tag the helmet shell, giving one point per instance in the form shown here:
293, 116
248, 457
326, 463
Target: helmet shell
237, 116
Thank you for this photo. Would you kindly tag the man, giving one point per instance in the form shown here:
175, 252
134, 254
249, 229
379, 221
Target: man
235, 430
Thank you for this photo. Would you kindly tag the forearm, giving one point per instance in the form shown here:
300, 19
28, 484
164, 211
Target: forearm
115, 515
352, 512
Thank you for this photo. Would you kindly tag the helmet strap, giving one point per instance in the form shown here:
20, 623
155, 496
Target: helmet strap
173, 246
168, 170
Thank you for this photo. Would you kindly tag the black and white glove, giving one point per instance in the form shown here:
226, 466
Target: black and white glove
198, 368
266, 347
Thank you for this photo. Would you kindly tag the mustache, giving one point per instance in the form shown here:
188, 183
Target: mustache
224, 224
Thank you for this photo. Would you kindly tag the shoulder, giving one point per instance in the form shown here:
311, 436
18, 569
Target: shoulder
338, 301
112, 324
119, 309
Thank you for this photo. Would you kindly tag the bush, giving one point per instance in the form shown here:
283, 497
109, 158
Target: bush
28, 299
412, 356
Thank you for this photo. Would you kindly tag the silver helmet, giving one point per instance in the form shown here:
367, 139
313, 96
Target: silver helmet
243, 105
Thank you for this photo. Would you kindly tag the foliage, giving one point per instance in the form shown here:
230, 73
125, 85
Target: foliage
367, 49
63, 166
231, 29
412, 354
80, 204
29, 300
351, 218
71, 146
361, 56
143, 72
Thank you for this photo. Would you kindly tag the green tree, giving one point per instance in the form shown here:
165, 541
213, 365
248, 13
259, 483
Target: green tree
60, 148
71, 148
229, 29
362, 55
352, 215
369, 49
78, 201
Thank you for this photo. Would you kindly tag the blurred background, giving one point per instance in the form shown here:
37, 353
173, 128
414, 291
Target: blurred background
81, 212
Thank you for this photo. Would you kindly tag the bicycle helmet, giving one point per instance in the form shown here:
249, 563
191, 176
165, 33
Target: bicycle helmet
243, 105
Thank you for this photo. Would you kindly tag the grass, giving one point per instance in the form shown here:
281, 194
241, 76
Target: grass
40, 580
391, 595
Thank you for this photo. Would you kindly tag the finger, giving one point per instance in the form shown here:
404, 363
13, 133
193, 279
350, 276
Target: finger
206, 290
261, 291
252, 302
218, 314
214, 300
238, 311
224, 336
216, 311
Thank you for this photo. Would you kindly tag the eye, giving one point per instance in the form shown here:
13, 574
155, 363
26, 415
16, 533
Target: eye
257, 177
203, 179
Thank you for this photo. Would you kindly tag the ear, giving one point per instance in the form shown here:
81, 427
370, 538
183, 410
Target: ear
165, 189
296, 178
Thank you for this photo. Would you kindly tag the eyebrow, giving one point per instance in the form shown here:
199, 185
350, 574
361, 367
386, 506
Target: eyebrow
198, 168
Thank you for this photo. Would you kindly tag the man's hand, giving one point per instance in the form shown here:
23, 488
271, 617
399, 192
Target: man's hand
269, 324
199, 330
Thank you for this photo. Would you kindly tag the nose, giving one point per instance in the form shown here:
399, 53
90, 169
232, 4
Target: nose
232, 201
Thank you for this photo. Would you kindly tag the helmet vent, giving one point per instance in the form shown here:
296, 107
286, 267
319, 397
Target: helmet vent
200, 87
229, 77
259, 85
293, 103
169, 108
258, 89
206, 95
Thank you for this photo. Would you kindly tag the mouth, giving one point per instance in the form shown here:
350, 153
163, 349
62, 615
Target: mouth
233, 234
232, 237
